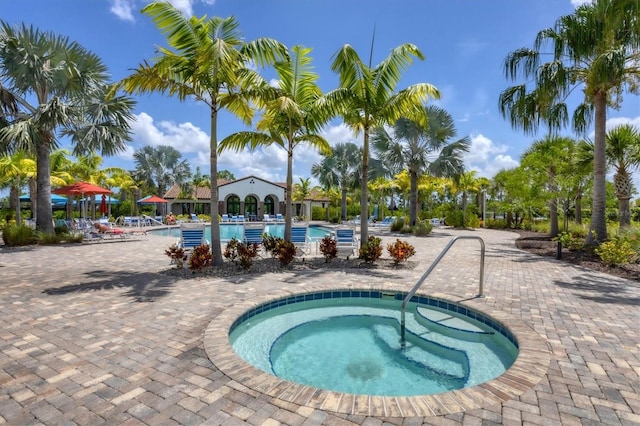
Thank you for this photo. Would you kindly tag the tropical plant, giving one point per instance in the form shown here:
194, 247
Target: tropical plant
159, 167
367, 100
400, 251
623, 154
291, 117
371, 250
200, 257
207, 60
340, 169
329, 248
422, 149
17, 169
56, 88
285, 252
594, 49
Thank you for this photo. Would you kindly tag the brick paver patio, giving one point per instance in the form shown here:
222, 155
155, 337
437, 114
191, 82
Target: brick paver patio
95, 334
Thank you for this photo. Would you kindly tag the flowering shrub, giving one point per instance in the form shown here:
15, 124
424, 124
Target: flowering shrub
328, 248
241, 253
177, 255
200, 258
400, 251
618, 251
285, 251
372, 249
231, 250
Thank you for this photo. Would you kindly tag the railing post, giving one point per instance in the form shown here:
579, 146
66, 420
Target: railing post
424, 276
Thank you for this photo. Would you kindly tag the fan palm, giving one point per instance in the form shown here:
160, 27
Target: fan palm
594, 48
623, 154
291, 117
160, 167
207, 60
56, 88
367, 99
340, 168
422, 149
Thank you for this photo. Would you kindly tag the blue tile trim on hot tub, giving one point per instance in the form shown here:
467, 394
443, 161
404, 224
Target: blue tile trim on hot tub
373, 294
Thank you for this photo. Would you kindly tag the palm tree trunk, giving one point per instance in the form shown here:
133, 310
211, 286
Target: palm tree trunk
14, 202
364, 197
464, 208
343, 203
413, 197
289, 195
579, 207
44, 214
553, 217
598, 227
623, 186
33, 196
216, 249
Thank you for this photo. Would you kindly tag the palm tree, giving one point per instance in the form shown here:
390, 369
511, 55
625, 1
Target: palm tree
60, 89
367, 99
291, 116
207, 60
466, 183
340, 169
594, 49
160, 167
301, 192
422, 149
623, 154
17, 169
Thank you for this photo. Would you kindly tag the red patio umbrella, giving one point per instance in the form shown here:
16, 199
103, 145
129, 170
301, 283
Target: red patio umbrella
153, 199
81, 189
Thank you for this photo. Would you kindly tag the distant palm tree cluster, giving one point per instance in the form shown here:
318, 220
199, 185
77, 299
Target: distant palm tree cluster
410, 149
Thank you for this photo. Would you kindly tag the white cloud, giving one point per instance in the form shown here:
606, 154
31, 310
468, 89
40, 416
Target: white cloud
340, 133
577, 3
486, 157
123, 9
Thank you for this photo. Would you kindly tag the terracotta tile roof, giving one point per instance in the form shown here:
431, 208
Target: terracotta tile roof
202, 192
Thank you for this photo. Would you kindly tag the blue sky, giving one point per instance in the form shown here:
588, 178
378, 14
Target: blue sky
464, 43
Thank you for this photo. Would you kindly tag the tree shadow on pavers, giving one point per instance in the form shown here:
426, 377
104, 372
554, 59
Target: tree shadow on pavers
607, 291
141, 286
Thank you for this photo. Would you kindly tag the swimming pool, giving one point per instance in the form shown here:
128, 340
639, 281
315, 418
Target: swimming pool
232, 230
348, 341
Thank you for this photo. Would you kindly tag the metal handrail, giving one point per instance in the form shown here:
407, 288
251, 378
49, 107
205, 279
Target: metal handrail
426, 274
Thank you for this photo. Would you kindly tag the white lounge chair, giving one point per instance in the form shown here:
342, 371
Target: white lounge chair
279, 218
346, 241
300, 239
225, 218
191, 235
252, 232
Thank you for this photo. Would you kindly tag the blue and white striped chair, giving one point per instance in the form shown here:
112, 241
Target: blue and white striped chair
191, 236
252, 232
346, 241
300, 239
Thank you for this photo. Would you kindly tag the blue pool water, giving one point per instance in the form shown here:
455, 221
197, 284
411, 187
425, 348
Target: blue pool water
352, 344
229, 231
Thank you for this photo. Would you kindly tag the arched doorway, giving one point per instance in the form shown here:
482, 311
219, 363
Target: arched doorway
269, 205
233, 205
251, 206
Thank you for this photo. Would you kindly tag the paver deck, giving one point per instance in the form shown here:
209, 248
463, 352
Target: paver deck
95, 334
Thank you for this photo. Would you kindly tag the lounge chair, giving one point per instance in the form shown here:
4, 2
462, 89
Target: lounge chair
225, 218
241, 218
435, 222
279, 218
252, 232
300, 239
386, 222
195, 218
191, 235
346, 242
267, 218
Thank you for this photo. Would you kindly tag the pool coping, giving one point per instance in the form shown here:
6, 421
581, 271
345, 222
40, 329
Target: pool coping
528, 369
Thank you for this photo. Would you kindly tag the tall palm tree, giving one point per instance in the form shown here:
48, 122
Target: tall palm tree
594, 49
422, 149
466, 183
368, 99
301, 192
60, 89
160, 167
340, 169
291, 117
623, 154
206, 60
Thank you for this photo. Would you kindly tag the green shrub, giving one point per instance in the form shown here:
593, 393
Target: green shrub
496, 223
328, 248
422, 229
15, 236
472, 220
400, 251
570, 241
397, 224
372, 249
177, 255
616, 252
49, 239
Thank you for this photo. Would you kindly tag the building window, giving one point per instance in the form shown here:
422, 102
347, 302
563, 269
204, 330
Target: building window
233, 205
250, 205
269, 205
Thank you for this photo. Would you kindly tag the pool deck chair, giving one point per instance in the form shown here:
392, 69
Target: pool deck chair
241, 218
225, 218
279, 218
267, 218
299, 238
191, 235
252, 232
346, 242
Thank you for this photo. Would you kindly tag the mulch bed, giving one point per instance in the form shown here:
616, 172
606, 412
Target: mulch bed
542, 245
